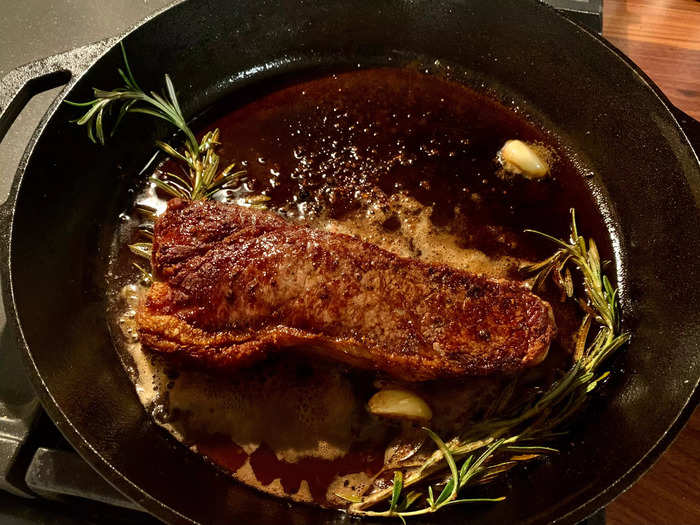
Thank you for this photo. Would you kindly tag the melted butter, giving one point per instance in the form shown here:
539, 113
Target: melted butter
400, 224
245, 407
242, 408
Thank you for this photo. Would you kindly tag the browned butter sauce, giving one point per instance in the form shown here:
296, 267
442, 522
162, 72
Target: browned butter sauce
401, 159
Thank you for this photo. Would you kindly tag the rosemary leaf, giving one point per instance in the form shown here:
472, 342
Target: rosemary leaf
169, 150
431, 498
349, 498
396, 491
464, 469
582, 337
146, 275
450, 462
446, 492
169, 188
142, 249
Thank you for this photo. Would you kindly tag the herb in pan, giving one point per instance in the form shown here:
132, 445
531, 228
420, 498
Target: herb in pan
517, 432
199, 176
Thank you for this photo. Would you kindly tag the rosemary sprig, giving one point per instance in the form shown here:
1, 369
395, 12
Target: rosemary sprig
200, 177
132, 99
511, 433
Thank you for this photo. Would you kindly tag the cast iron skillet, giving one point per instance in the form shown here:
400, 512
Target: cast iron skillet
62, 212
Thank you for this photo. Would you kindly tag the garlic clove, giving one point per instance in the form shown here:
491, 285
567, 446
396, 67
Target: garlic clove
399, 404
521, 158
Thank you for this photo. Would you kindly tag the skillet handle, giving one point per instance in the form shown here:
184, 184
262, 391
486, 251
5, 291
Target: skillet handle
19, 413
19, 85
690, 126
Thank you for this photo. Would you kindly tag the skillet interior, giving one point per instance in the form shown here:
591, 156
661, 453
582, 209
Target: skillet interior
67, 203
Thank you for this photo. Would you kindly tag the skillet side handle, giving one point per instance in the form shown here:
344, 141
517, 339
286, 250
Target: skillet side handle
18, 87
690, 127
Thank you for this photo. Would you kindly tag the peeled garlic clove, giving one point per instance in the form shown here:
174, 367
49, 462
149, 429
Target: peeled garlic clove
400, 404
518, 157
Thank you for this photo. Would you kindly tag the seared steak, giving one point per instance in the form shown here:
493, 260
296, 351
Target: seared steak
233, 284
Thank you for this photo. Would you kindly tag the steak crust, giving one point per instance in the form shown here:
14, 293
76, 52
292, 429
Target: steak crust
233, 284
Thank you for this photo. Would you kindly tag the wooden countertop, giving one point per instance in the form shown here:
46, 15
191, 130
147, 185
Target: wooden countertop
663, 38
